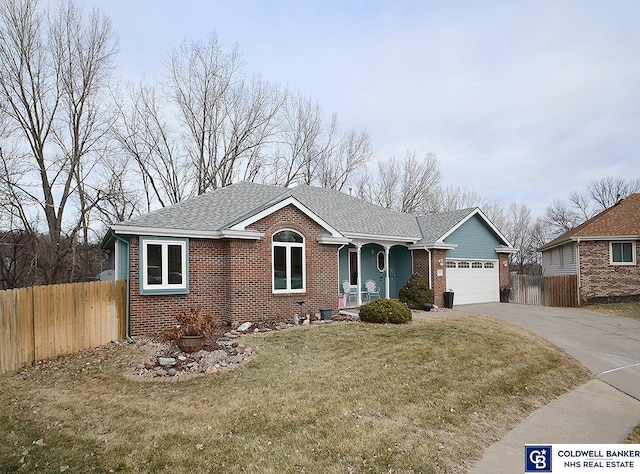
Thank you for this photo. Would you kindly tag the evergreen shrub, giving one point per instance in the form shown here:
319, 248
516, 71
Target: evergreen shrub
416, 292
385, 311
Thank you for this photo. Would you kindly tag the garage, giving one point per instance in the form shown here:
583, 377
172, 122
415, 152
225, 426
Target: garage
473, 281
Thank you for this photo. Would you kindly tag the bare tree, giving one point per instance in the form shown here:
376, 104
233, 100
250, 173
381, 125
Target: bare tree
607, 192
352, 153
50, 83
562, 216
305, 141
145, 134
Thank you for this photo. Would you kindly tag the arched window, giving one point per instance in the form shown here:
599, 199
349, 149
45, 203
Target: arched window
287, 249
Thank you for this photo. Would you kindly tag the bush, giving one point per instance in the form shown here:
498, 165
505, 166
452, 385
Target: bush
385, 311
416, 292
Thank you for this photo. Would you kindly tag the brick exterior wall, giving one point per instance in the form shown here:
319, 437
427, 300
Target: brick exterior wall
503, 271
231, 279
602, 282
438, 282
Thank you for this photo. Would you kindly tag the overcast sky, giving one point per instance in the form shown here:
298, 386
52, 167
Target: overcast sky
521, 101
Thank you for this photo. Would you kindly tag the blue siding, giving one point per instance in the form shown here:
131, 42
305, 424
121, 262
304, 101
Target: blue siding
400, 268
369, 263
343, 267
122, 264
475, 239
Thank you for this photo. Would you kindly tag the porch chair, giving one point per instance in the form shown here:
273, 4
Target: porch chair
372, 289
350, 291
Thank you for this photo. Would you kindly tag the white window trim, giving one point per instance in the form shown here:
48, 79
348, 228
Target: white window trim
165, 286
633, 252
288, 246
378, 260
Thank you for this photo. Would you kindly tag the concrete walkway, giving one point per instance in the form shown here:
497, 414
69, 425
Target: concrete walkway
604, 410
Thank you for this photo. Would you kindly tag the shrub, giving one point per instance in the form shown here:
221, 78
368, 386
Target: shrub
385, 311
416, 292
192, 322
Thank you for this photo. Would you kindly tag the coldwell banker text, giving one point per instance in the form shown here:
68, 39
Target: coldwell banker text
572, 458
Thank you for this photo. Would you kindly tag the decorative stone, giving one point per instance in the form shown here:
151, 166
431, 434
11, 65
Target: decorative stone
244, 327
148, 364
236, 359
248, 350
140, 366
211, 370
223, 339
240, 349
171, 372
230, 335
165, 361
161, 372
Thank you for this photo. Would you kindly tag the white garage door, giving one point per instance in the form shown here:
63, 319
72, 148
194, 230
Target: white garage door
473, 281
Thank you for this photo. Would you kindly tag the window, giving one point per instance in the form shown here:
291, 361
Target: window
488, 265
163, 266
288, 262
476, 265
463, 265
622, 253
381, 261
451, 264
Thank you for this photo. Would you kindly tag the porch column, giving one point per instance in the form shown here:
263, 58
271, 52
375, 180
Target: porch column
386, 270
358, 253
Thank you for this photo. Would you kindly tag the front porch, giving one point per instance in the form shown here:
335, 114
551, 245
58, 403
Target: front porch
371, 270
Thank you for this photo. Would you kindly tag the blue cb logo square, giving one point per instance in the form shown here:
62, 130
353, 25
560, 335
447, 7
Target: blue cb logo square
537, 458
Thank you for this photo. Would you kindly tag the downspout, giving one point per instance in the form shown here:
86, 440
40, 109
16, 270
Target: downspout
127, 334
338, 256
430, 277
578, 268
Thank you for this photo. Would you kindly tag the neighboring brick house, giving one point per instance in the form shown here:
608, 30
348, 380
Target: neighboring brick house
602, 253
252, 252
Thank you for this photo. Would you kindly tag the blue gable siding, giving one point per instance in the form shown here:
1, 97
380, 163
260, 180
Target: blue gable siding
475, 239
122, 255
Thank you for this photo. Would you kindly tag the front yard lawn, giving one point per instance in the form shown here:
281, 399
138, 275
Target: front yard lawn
630, 310
429, 396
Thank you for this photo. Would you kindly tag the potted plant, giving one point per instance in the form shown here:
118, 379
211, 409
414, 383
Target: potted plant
191, 330
505, 293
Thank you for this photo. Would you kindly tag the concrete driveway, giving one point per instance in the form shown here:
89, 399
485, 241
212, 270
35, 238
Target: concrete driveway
603, 410
607, 345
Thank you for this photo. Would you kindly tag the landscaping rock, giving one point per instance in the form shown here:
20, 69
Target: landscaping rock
161, 372
236, 359
244, 327
171, 372
215, 357
166, 361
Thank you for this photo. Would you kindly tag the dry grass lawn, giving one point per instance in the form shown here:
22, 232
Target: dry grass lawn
429, 396
630, 310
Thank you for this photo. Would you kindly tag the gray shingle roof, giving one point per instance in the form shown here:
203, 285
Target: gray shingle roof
222, 208
212, 211
434, 226
349, 214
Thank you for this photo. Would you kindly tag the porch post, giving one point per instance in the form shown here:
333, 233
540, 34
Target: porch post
386, 270
358, 252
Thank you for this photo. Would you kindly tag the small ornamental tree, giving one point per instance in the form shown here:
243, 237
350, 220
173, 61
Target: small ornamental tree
385, 311
416, 292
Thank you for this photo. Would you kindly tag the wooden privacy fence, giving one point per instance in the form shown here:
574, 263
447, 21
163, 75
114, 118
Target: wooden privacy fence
561, 291
526, 289
47, 321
